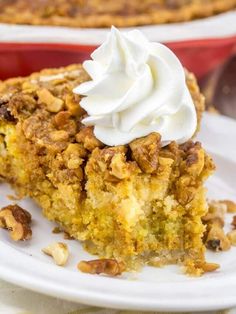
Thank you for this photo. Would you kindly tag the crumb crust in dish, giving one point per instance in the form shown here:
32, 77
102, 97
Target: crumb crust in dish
138, 203
101, 13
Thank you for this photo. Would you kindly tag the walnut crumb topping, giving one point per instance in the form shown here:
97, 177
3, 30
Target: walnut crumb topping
232, 237
88, 139
106, 266
56, 230
67, 236
216, 214
53, 104
145, 152
17, 220
210, 267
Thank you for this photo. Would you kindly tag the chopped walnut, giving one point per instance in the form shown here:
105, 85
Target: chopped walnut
112, 162
216, 239
74, 155
232, 237
231, 206
73, 106
184, 192
62, 118
53, 103
145, 152
67, 236
233, 223
63, 122
6, 114
106, 266
88, 139
59, 136
216, 213
210, 267
56, 230
59, 252
119, 167
17, 220
195, 159
29, 87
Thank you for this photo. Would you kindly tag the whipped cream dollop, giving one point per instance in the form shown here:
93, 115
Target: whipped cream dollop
137, 87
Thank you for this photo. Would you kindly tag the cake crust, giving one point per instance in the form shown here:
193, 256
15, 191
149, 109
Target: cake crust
137, 203
101, 13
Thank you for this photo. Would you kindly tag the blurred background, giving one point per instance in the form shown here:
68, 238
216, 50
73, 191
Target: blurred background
45, 33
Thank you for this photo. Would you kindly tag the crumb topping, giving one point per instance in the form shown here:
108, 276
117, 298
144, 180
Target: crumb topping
124, 202
109, 267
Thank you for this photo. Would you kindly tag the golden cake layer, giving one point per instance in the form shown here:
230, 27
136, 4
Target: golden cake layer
137, 203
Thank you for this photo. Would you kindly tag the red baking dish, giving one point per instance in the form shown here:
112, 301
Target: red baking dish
201, 45
19, 59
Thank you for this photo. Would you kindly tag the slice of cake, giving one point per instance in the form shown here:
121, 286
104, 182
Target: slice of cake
108, 177
104, 13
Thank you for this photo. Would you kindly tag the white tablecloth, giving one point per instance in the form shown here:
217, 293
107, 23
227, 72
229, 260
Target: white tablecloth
16, 300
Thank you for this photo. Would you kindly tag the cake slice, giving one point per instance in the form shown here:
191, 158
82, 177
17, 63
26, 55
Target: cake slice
139, 203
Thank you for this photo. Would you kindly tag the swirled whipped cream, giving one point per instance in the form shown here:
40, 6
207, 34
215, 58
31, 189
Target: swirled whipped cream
137, 87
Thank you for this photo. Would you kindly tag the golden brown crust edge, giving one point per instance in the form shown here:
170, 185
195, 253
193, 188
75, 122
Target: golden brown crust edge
75, 75
186, 12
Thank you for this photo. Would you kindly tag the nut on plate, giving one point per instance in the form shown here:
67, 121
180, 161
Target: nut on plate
17, 220
231, 206
232, 237
106, 266
233, 223
58, 251
216, 214
216, 239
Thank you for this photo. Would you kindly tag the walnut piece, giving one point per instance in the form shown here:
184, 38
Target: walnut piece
59, 136
210, 267
195, 160
119, 167
88, 139
233, 223
56, 230
53, 103
5, 113
216, 239
230, 205
58, 251
66, 236
216, 213
63, 122
17, 220
232, 237
73, 106
106, 266
145, 152
62, 118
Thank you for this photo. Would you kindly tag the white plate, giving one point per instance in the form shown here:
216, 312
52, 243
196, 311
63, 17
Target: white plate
219, 26
165, 289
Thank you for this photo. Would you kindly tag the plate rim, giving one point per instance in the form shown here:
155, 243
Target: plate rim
102, 291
